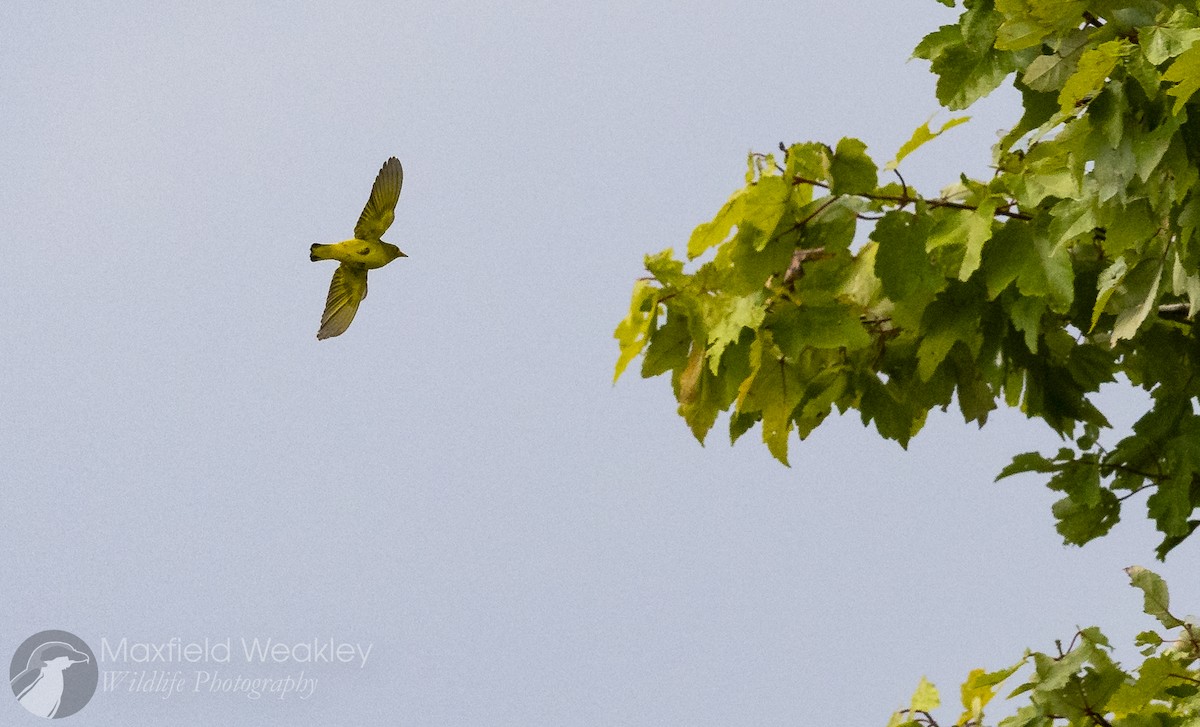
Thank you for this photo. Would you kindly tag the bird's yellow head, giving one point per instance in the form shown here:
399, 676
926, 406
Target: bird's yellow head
392, 251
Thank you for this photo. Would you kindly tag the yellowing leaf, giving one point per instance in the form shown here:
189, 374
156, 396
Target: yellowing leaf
926, 698
689, 380
710, 234
632, 332
979, 688
1185, 72
1093, 70
726, 318
920, 136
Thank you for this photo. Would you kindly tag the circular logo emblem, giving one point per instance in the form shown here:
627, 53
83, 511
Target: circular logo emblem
53, 674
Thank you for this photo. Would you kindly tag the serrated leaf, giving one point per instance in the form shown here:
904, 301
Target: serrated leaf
925, 698
894, 418
1156, 600
717, 231
830, 326
952, 318
1142, 288
980, 688
1134, 697
1185, 72
726, 317
768, 390
1049, 72
1167, 40
668, 346
1107, 285
1088, 511
809, 160
699, 393
1026, 315
901, 262
665, 268
632, 331
967, 228
978, 232
1094, 68
1038, 265
765, 203
1027, 462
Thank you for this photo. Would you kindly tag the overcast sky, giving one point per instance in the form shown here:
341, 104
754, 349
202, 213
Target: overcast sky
455, 480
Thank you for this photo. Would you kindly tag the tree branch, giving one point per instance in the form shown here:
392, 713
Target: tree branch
906, 199
1175, 312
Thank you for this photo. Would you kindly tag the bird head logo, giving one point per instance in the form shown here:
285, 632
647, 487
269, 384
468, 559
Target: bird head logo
43, 674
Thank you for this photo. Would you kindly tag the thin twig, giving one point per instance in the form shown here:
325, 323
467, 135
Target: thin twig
905, 199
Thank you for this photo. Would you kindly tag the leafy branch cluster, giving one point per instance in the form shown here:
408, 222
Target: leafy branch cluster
1082, 686
1076, 263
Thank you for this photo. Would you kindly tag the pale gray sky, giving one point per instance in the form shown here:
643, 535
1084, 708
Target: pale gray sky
455, 480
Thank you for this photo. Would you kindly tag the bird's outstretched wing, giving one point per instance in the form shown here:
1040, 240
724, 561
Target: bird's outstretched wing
347, 290
377, 216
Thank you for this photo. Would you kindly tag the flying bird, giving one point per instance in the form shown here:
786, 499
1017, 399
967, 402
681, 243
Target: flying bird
362, 253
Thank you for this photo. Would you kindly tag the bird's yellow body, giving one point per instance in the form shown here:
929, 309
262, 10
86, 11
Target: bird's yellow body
370, 254
362, 253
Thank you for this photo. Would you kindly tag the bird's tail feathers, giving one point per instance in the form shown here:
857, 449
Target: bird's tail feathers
317, 252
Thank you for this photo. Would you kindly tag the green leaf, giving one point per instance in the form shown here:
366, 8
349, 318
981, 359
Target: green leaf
952, 318
1027, 462
699, 393
818, 326
1135, 697
1156, 601
1185, 72
894, 418
726, 317
919, 137
1040, 267
1088, 511
978, 231
771, 390
668, 346
1167, 40
1170, 541
901, 263
1131, 228
1108, 283
964, 76
1142, 293
980, 688
765, 202
1049, 72
925, 698
632, 331
666, 269
1026, 315
809, 160
964, 58
851, 170
711, 234
1095, 66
